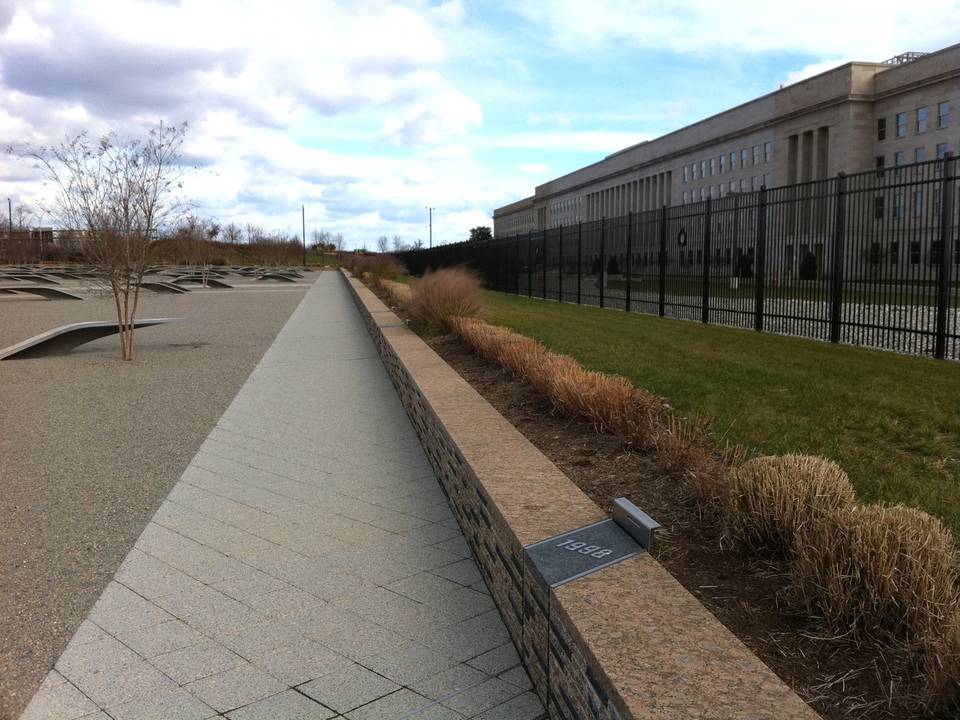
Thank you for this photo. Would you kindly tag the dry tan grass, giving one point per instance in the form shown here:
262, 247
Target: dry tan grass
610, 402
879, 572
773, 496
398, 293
885, 573
941, 667
443, 295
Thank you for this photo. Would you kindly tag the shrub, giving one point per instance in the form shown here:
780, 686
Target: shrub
880, 572
379, 267
942, 667
443, 295
398, 293
773, 496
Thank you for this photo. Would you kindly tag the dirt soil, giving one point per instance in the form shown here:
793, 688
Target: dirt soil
837, 678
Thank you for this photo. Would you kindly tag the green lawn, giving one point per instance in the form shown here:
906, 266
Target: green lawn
892, 422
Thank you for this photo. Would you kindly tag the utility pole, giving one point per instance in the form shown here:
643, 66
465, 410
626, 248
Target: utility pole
303, 218
431, 209
9, 227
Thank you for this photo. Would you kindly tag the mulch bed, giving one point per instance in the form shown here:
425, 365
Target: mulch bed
839, 679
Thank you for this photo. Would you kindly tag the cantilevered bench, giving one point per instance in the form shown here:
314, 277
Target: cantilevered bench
48, 292
164, 287
62, 340
276, 276
210, 281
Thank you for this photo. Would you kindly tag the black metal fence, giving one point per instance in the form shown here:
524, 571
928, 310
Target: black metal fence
869, 259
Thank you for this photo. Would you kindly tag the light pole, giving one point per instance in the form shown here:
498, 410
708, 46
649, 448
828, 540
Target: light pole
303, 219
431, 209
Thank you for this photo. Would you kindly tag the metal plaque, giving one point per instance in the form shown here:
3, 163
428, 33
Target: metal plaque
566, 557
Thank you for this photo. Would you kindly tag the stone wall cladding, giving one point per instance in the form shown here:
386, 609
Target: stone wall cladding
626, 642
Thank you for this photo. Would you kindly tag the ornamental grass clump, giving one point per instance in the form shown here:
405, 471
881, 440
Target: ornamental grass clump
771, 497
397, 293
443, 295
885, 573
941, 666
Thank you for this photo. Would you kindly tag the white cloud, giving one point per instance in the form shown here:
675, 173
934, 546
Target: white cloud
435, 120
534, 168
808, 71
598, 141
817, 27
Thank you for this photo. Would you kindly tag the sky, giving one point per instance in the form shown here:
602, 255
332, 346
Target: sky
367, 113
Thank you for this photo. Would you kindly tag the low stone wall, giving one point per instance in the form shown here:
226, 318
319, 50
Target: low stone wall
626, 641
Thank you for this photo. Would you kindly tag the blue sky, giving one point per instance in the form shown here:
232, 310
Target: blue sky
367, 112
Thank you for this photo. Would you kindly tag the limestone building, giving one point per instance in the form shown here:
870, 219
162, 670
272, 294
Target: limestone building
849, 119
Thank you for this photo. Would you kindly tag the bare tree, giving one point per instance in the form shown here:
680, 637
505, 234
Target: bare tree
232, 233
119, 193
195, 240
383, 244
398, 245
22, 216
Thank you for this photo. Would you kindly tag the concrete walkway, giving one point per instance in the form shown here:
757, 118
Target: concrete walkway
305, 566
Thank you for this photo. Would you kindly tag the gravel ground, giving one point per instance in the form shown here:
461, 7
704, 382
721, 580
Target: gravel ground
90, 445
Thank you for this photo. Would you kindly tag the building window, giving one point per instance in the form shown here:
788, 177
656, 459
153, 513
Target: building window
881, 161
723, 164
921, 120
703, 168
686, 174
693, 171
942, 149
920, 154
743, 158
874, 253
768, 152
713, 167
766, 180
943, 115
713, 191
686, 197
733, 161
901, 124
881, 128
755, 183
894, 253
878, 207
936, 252
733, 186
899, 157
917, 203
914, 253
756, 154
743, 185
898, 204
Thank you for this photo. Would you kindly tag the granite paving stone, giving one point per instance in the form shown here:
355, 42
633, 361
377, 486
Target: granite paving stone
349, 688
305, 566
288, 705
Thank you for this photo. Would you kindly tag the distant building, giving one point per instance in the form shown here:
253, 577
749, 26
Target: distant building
849, 119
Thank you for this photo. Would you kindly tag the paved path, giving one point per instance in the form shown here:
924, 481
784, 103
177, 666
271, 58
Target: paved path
306, 565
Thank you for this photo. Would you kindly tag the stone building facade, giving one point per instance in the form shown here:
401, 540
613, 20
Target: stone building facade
850, 119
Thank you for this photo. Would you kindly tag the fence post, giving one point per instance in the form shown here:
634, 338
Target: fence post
705, 296
579, 258
629, 258
603, 255
946, 254
543, 245
560, 265
530, 264
836, 275
516, 263
663, 260
760, 278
